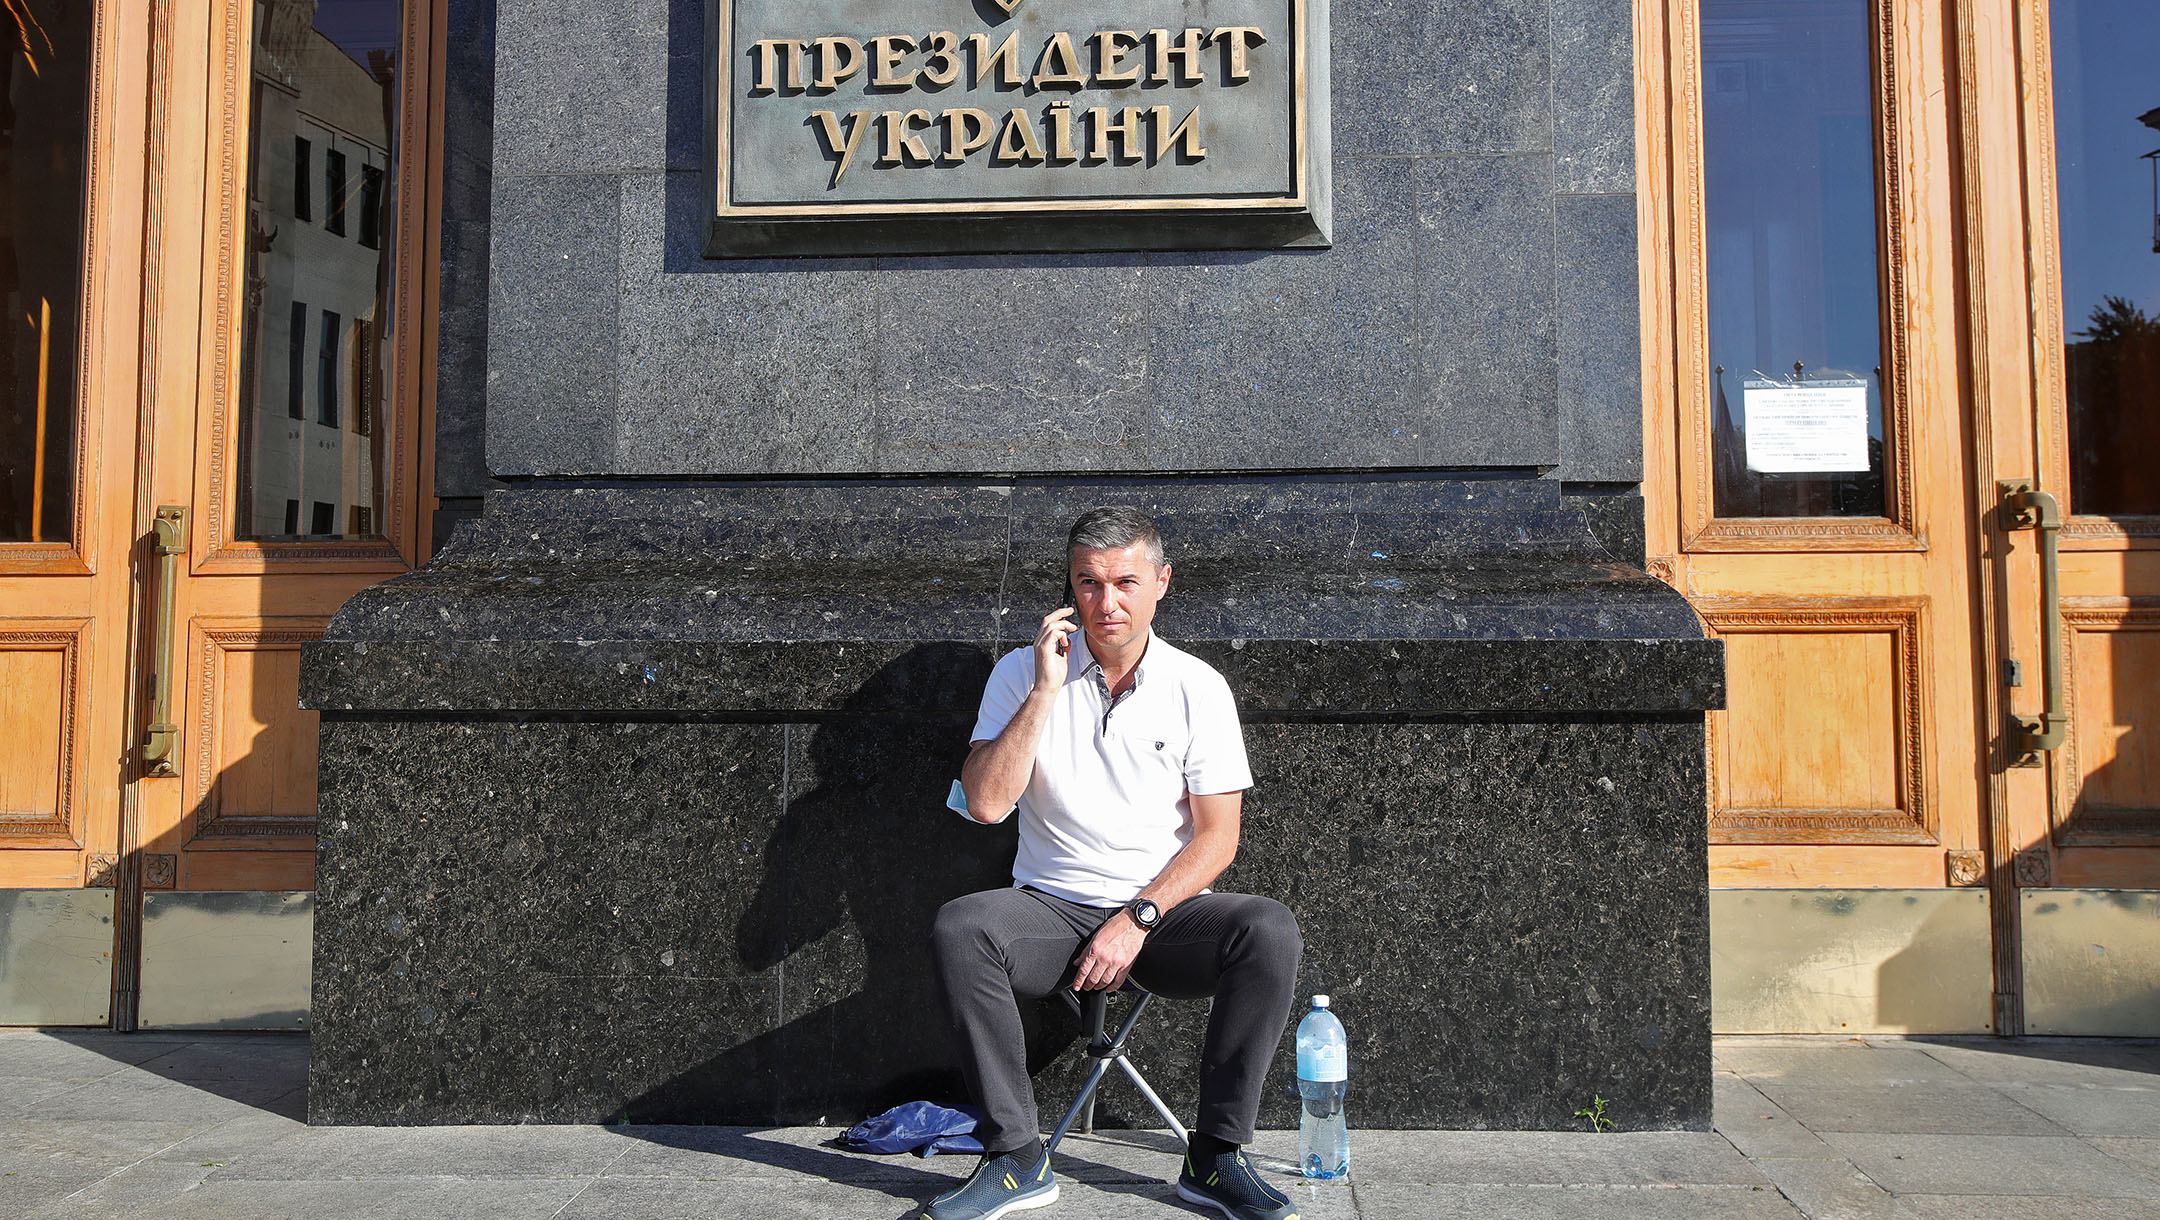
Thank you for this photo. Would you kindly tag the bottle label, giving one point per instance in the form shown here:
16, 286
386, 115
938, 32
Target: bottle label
1324, 1063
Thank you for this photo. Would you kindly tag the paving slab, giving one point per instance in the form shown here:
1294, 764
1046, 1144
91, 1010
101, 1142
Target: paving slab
1159, 1201
1551, 1158
2084, 1109
241, 1059
38, 1146
2029, 1207
233, 1139
1156, 1156
1111, 1173
493, 1153
1397, 1201
212, 1126
17, 1093
1992, 1165
431, 1198
1848, 1059
2114, 1064
1829, 1189
138, 1190
722, 1153
22, 1189
2143, 1154
130, 1090
1758, 1126
1958, 1107
74, 1056
670, 1199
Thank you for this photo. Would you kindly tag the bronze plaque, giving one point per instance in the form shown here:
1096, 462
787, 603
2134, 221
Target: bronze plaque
857, 127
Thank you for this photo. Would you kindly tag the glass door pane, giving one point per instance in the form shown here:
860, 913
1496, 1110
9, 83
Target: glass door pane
1793, 258
2107, 131
44, 127
323, 151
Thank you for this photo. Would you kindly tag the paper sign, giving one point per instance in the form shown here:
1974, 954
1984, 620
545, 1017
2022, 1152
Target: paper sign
1817, 427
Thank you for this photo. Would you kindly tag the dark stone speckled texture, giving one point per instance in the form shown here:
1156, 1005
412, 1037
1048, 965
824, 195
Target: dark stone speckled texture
697, 922
1483, 169
632, 798
632, 801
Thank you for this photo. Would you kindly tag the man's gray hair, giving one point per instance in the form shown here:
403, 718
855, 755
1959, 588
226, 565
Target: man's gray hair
1113, 529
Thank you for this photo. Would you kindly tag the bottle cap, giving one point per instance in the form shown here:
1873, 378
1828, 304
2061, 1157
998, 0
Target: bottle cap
1319, 1001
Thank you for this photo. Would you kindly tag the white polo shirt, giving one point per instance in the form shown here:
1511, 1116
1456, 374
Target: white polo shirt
1107, 805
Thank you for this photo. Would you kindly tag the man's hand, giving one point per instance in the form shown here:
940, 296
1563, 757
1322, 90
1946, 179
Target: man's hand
997, 772
1109, 955
1051, 645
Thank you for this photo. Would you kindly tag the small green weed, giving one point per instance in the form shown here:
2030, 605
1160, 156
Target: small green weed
1595, 1112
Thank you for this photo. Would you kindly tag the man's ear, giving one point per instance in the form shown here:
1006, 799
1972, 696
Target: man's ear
1165, 577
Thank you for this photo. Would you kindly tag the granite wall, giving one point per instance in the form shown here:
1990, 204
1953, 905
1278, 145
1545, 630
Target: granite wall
1478, 309
1487, 980
632, 797
633, 800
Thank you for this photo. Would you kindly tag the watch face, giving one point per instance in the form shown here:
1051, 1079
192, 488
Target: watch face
1146, 914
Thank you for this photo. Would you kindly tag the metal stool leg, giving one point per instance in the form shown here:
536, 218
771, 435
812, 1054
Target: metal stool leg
1087, 1099
1184, 1137
1106, 1050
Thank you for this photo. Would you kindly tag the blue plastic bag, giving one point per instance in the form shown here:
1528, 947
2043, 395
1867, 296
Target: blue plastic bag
967, 1143
922, 1127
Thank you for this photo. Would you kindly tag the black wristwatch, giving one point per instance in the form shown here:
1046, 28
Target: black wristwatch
1144, 913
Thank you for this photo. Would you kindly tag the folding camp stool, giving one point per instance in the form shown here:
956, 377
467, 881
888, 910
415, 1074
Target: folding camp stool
1105, 1050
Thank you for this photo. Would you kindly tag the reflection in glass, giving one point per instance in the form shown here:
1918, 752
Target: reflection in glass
2107, 128
322, 170
1794, 299
44, 132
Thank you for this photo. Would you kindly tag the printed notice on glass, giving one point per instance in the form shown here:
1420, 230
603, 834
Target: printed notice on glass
1815, 427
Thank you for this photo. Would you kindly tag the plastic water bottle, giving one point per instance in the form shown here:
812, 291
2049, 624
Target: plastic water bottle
1323, 1077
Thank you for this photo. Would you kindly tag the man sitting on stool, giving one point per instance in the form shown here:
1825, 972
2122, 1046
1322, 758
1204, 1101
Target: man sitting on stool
1126, 761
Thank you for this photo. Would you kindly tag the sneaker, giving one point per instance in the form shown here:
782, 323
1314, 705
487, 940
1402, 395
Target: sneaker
1229, 1184
999, 1185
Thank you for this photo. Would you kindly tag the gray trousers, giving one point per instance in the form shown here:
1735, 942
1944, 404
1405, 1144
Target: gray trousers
999, 947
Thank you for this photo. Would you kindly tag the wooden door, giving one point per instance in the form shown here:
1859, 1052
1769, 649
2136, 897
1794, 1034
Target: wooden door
1889, 851
67, 537
2068, 106
1808, 486
254, 413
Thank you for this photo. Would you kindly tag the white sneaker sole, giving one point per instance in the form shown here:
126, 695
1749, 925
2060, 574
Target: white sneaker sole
1044, 1199
1193, 1196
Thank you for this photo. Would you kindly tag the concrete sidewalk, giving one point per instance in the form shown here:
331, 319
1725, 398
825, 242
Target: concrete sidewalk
206, 1125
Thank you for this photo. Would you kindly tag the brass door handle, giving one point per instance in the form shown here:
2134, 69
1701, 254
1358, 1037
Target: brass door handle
2025, 507
171, 543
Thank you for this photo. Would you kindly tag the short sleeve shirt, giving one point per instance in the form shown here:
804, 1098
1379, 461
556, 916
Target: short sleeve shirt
1108, 804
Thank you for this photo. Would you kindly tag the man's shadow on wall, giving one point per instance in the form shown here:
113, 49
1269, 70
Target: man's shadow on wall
852, 879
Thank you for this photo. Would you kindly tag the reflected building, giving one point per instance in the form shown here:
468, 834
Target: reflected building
2111, 355
315, 278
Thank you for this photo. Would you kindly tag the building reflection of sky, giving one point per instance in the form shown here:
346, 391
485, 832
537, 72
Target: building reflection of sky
2104, 80
360, 26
